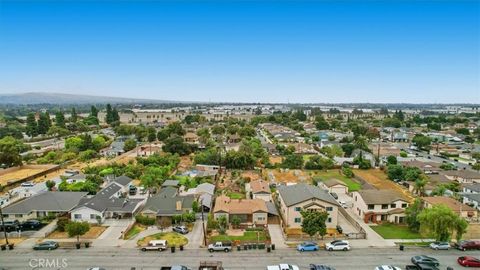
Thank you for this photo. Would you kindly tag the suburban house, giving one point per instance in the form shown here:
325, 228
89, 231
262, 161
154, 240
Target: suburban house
171, 183
334, 185
425, 167
43, 204
260, 189
295, 198
166, 204
471, 188
463, 176
249, 211
191, 137
459, 208
107, 203
377, 206
204, 195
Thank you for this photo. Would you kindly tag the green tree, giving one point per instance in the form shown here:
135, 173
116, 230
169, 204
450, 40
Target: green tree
292, 161
235, 221
50, 184
411, 214
60, 119
176, 144
32, 127
109, 118
347, 171
391, 160
58, 131
440, 222
321, 123
222, 224
73, 115
162, 135
77, 229
129, 144
10, 149
395, 171
422, 141
44, 123
314, 222
218, 130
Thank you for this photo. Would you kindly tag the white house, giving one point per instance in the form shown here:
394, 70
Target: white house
377, 206
334, 186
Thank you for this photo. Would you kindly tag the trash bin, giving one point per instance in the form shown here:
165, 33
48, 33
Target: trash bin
3, 247
402, 247
273, 246
87, 244
172, 249
268, 249
245, 246
254, 246
239, 248
78, 245
249, 246
181, 247
10, 246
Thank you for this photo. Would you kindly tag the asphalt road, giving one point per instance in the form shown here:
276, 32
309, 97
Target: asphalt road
120, 258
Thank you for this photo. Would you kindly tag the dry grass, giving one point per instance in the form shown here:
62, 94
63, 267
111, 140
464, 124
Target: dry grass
252, 175
185, 163
379, 180
23, 172
93, 233
275, 159
14, 241
290, 176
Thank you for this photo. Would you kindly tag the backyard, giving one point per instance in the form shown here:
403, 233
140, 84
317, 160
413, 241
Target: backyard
173, 239
392, 231
326, 175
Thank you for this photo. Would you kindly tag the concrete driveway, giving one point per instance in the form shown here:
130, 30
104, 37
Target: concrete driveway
195, 237
112, 235
276, 235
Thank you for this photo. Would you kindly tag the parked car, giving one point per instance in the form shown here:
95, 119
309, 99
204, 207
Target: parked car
440, 245
468, 261
174, 267
282, 266
180, 229
343, 204
220, 246
159, 245
387, 267
339, 229
468, 245
27, 184
334, 195
31, 224
423, 259
320, 267
338, 245
10, 226
308, 246
421, 267
46, 245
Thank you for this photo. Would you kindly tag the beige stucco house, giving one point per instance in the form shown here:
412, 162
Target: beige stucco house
377, 206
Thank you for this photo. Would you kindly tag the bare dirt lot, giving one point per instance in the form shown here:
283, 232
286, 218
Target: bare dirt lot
20, 173
288, 176
93, 233
379, 180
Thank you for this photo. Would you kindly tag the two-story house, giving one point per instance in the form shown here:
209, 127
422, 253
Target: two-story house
295, 198
260, 189
377, 206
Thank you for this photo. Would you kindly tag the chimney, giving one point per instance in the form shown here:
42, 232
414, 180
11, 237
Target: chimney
178, 206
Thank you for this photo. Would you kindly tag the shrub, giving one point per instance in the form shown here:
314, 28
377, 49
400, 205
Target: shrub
61, 223
347, 171
144, 220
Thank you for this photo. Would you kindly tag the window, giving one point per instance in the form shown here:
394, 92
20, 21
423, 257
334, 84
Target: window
329, 220
393, 205
298, 220
77, 216
93, 216
384, 206
371, 206
298, 209
404, 205
18, 215
329, 208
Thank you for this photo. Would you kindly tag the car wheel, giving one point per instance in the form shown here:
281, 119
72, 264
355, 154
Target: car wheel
227, 250
49, 248
210, 250
345, 249
330, 249
436, 248
144, 249
302, 250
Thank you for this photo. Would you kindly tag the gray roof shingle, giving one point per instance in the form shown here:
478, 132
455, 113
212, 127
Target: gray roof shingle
301, 192
60, 201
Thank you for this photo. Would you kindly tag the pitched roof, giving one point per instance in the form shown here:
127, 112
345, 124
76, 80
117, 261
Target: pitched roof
205, 188
239, 206
463, 174
472, 196
373, 196
260, 186
165, 202
298, 193
60, 201
171, 183
105, 200
474, 187
453, 204
123, 180
333, 182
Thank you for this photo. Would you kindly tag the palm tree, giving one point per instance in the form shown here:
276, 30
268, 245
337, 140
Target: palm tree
419, 187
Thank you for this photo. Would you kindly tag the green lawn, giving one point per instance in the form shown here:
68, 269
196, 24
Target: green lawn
326, 175
136, 229
235, 195
247, 236
392, 231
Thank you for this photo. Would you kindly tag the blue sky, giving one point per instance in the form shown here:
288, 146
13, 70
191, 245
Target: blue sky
247, 51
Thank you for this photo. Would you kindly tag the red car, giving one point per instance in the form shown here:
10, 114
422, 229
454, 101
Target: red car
468, 261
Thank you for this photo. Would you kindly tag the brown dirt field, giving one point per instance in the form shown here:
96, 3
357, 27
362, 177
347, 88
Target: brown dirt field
379, 180
292, 176
25, 172
275, 159
14, 241
253, 175
185, 163
93, 233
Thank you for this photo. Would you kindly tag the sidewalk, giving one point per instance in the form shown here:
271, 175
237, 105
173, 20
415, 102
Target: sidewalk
40, 234
373, 238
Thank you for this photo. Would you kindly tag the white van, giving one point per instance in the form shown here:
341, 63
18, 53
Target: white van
159, 245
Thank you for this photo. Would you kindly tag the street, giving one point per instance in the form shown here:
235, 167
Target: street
122, 258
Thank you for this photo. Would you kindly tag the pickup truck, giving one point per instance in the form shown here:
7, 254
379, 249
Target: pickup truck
159, 245
220, 246
282, 266
174, 267
210, 265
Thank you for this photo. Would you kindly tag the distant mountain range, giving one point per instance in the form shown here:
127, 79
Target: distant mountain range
57, 98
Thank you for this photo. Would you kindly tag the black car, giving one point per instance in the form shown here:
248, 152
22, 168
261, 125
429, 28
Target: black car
10, 226
320, 267
31, 224
334, 195
339, 229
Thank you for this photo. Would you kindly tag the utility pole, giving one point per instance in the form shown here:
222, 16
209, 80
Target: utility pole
4, 227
